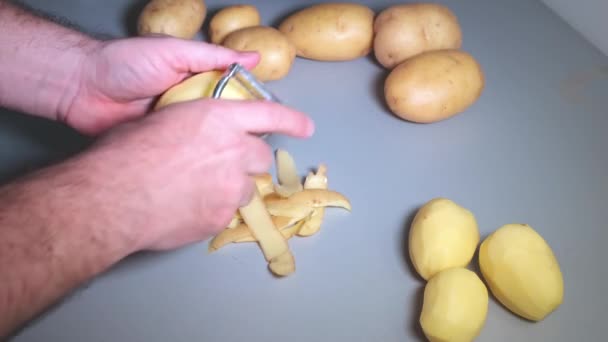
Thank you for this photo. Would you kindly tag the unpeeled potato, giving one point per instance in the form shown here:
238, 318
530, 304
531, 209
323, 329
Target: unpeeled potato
230, 19
405, 30
443, 235
434, 86
522, 271
277, 53
331, 31
177, 18
455, 306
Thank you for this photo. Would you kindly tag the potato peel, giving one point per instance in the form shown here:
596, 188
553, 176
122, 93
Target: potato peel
307, 198
241, 233
287, 175
283, 265
279, 211
264, 184
259, 221
316, 180
288, 232
234, 222
271, 241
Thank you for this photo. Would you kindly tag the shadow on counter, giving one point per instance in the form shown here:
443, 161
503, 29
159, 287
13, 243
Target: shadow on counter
28, 143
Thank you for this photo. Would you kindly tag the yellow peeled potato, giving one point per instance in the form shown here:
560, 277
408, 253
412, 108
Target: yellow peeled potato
405, 30
434, 86
177, 18
443, 235
201, 86
230, 19
455, 306
277, 53
331, 31
521, 271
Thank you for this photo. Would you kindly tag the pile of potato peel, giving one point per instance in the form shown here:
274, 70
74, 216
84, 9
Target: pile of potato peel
295, 208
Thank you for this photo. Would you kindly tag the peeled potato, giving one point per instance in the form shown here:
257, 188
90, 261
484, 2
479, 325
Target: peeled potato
455, 306
521, 271
443, 235
405, 30
230, 19
177, 18
201, 86
277, 53
434, 86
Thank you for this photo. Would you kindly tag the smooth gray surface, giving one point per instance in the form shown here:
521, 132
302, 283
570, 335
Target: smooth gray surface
532, 149
587, 17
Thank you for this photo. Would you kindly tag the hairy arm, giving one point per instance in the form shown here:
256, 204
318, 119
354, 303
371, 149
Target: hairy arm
39, 62
58, 230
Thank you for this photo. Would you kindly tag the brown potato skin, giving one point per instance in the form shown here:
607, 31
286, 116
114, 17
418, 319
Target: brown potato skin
403, 31
331, 31
434, 85
230, 19
177, 18
277, 53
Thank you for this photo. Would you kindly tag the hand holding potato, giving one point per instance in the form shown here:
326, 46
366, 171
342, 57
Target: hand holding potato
120, 79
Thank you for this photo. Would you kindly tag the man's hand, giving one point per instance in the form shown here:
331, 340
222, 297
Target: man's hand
119, 79
187, 168
60, 74
158, 182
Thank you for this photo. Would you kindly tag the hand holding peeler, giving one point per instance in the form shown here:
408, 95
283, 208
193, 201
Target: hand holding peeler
248, 81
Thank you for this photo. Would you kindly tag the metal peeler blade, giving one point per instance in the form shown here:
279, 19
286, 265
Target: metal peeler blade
246, 79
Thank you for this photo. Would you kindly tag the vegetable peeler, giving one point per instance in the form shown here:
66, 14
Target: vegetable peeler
246, 79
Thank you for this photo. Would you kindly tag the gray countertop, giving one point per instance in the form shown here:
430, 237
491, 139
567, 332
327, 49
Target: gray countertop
532, 149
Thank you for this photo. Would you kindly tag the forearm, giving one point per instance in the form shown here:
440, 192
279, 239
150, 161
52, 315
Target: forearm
57, 230
39, 62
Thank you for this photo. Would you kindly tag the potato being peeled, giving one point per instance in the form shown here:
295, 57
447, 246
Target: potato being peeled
230, 19
455, 306
443, 235
201, 86
277, 53
521, 271
405, 30
177, 18
434, 86
331, 31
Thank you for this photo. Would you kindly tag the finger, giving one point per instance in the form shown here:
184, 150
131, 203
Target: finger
248, 190
193, 56
258, 158
259, 117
